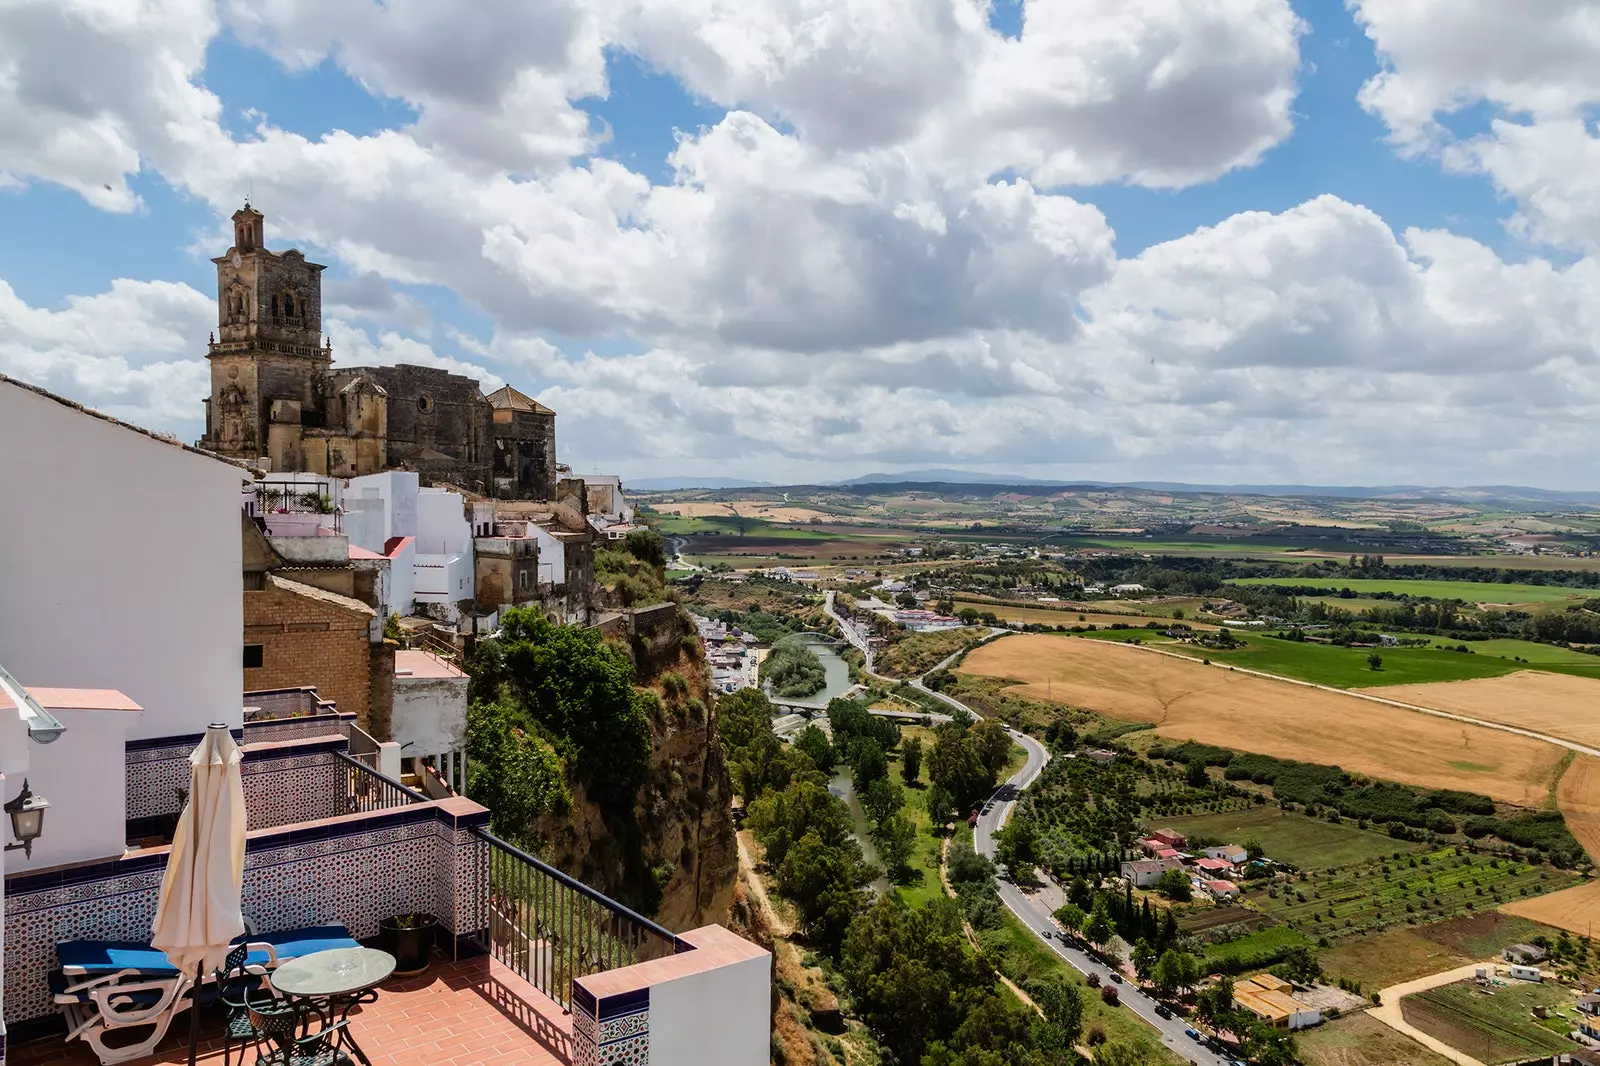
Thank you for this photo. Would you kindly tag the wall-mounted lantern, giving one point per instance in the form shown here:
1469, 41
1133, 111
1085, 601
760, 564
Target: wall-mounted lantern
27, 818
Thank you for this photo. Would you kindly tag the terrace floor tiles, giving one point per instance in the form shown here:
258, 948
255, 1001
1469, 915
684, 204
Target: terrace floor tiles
474, 1012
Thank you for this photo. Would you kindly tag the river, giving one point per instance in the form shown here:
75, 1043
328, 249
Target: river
835, 670
842, 787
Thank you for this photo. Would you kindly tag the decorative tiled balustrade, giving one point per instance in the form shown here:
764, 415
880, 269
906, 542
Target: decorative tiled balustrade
353, 870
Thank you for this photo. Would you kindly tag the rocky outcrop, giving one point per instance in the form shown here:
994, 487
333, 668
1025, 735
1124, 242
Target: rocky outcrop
673, 856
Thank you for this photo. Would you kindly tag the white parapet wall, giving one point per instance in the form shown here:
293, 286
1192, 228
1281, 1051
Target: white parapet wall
708, 1005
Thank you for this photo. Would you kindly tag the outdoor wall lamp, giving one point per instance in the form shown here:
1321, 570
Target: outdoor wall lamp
27, 819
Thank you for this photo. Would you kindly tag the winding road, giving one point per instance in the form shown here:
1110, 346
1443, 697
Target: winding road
1032, 909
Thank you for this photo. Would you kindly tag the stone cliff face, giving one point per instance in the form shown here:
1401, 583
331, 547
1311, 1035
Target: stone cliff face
673, 856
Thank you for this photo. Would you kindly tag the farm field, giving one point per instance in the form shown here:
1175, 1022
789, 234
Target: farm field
1573, 909
1015, 612
1558, 704
1261, 948
1292, 838
1532, 651
772, 512
1418, 887
1185, 700
1492, 1028
1578, 798
1359, 1040
1404, 953
1329, 664
1471, 591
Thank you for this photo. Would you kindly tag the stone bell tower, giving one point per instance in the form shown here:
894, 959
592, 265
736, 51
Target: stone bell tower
268, 358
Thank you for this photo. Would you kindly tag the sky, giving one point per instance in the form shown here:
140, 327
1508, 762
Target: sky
1235, 241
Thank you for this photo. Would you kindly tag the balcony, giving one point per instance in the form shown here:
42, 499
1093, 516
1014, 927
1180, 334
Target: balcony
530, 966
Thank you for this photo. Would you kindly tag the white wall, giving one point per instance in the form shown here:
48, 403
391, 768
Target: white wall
380, 506
444, 579
403, 578
717, 1018
442, 526
552, 556
430, 714
83, 776
122, 563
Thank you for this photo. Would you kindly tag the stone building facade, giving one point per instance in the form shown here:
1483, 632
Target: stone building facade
275, 394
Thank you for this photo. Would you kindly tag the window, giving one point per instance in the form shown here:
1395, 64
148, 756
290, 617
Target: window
274, 305
288, 306
252, 656
424, 403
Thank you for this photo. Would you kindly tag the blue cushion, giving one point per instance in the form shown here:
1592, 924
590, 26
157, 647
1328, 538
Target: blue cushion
109, 956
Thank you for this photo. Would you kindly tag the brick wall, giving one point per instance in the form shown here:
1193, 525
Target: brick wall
310, 641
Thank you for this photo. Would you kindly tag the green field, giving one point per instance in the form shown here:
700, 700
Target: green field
1471, 591
1493, 1025
1329, 664
1258, 949
1292, 838
1421, 887
1535, 654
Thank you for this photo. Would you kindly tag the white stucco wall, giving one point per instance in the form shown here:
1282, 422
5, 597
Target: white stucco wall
445, 579
122, 563
380, 506
717, 1018
83, 776
403, 578
430, 714
552, 557
442, 526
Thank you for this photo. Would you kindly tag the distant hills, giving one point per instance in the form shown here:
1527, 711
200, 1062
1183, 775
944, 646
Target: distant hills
671, 484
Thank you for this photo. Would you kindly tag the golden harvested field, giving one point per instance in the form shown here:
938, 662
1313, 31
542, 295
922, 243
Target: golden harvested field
1188, 700
1558, 704
772, 512
1578, 796
1574, 909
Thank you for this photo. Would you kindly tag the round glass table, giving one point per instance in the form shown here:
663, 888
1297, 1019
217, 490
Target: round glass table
335, 981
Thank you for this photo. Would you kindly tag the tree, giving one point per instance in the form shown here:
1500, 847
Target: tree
906, 599
1195, 773
1253, 848
882, 798
1017, 848
1174, 885
1268, 1046
868, 764
1062, 1004
954, 766
911, 759
815, 744
511, 771
944, 607
825, 881
969, 616
993, 746
1214, 1004
1097, 928
1168, 972
1070, 915
576, 688
1374, 661
647, 546
896, 840
1300, 965
1144, 959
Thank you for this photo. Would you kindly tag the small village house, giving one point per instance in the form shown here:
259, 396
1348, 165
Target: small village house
1142, 873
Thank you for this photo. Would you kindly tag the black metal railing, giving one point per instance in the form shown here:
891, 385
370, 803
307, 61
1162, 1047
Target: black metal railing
367, 790
552, 929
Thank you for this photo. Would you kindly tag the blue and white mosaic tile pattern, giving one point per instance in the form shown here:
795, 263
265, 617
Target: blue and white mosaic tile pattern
613, 1032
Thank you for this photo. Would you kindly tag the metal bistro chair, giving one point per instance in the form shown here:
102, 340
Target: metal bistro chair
235, 981
283, 1037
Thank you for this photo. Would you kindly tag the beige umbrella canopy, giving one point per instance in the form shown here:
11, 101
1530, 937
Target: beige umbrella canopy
198, 915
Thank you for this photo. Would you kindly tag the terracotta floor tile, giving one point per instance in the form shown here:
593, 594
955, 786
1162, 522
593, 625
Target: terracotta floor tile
469, 1013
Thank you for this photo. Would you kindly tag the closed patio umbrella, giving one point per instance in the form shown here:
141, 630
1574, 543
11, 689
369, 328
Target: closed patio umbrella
198, 915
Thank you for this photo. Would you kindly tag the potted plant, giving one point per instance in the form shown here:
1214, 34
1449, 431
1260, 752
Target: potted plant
409, 938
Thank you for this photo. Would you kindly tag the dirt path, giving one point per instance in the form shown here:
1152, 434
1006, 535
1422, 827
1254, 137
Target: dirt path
758, 891
1389, 1012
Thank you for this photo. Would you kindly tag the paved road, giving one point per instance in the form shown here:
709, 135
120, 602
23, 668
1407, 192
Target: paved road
1034, 913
